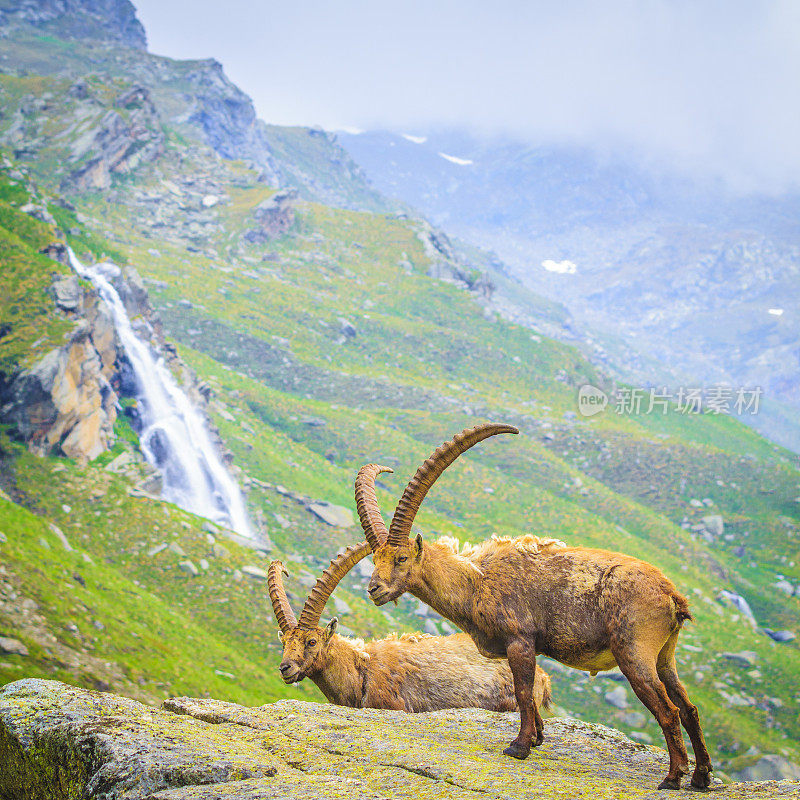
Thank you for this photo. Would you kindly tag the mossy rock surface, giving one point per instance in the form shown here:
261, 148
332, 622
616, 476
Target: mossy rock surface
59, 741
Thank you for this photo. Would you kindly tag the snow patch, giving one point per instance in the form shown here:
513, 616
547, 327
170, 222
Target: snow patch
414, 139
456, 160
562, 267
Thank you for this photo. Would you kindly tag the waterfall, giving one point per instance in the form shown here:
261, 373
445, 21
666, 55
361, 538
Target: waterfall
174, 437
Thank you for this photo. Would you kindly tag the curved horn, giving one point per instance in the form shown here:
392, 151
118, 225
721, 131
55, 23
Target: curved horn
431, 469
277, 594
367, 505
328, 581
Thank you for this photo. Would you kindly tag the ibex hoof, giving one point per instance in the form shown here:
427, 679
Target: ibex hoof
670, 783
517, 751
701, 778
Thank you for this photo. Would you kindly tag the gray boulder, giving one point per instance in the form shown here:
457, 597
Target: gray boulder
738, 602
770, 768
714, 524
189, 568
744, 658
780, 636
275, 217
67, 292
59, 534
347, 329
39, 212
256, 573
79, 90
635, 719
220, 551
617, 697
12, 647
335, 516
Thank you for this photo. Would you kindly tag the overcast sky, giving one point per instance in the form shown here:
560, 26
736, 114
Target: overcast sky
715, 85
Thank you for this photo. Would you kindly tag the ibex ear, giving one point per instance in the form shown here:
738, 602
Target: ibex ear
330, 628
418, 545
280, 636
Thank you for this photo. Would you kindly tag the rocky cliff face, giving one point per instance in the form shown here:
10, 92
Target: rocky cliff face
104, 20
66, 398
58, 741
126, 136
195, 97
227, 118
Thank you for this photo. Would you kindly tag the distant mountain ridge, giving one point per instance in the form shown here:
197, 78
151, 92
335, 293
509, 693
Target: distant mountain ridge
683, 272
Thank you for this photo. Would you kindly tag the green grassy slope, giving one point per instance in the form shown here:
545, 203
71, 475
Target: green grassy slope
262, 325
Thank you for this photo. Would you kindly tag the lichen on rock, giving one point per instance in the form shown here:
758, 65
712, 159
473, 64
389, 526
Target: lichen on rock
59, 742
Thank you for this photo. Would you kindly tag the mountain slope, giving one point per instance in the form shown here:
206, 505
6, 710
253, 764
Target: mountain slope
675, 277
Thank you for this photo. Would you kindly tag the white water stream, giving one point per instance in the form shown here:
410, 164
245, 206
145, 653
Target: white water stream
174, 437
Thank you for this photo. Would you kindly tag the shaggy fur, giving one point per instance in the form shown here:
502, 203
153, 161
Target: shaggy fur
518, 598
412, 672
589, 609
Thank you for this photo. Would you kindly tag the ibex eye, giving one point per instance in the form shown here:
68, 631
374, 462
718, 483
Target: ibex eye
401, 559
312, 643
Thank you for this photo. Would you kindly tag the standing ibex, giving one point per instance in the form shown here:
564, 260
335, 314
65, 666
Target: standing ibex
412, 672
589, 609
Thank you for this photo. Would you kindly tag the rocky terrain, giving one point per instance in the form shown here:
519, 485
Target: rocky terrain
326, 330
57, 741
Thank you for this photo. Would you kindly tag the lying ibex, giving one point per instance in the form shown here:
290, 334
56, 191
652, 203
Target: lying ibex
412, 672
589, 609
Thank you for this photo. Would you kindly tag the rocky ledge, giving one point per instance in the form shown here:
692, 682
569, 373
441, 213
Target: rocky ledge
59, 741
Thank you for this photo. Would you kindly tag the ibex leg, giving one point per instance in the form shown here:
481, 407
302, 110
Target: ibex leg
522, 660
640, 670
668, 672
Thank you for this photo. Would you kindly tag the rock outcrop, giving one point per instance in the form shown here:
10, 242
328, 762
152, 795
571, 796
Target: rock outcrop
111, 21
226, 117
274, 217
66, 399
446, 265
127, 135
59, 741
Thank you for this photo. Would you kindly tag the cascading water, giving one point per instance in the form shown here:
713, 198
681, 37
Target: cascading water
173, 437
